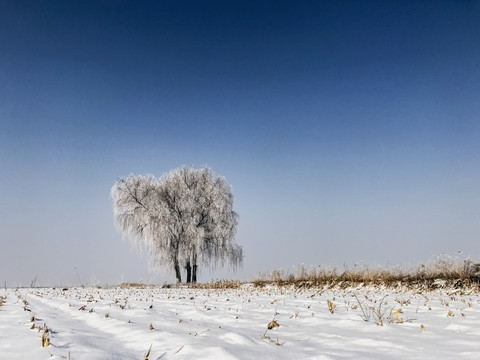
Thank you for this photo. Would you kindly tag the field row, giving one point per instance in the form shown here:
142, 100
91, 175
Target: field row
279, 322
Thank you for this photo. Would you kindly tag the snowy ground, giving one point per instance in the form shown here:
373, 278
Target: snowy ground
188, 323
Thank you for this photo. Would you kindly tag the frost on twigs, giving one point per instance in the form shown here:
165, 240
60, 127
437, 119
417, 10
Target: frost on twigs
183, 219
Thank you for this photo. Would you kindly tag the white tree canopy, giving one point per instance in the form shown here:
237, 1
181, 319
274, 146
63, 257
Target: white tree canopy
185, 217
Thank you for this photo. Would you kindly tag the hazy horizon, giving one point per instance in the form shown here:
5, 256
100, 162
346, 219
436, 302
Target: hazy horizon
349, 131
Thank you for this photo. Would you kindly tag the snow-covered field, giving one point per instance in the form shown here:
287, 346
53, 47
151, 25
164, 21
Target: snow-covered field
186, 323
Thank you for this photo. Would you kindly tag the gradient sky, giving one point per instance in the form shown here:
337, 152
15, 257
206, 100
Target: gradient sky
349, 130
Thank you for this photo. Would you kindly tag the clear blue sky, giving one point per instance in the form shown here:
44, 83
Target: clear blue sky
349, 130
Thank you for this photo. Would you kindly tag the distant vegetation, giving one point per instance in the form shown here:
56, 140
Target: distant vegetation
442, 271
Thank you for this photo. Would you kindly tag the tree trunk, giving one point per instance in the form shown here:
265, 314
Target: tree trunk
194, 269
174, 246
194, 273
178, 274
189, 271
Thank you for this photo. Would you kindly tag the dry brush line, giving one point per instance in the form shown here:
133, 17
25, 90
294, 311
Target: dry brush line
442, 272
221, 284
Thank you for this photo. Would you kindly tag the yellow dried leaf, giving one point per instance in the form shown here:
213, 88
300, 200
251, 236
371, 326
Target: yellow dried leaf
396, 313
331, 307
45, 337
272, 325
45, 341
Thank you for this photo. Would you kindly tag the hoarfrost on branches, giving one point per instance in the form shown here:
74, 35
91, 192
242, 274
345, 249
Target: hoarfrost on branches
184, 218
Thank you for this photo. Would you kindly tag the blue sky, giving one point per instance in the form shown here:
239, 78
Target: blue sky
349, 130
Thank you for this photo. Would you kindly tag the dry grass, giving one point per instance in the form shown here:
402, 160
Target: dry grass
442, 271
378, 312
135, 285
222, 284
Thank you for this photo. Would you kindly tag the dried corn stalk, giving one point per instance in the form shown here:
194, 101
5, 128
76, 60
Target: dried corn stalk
272, 325
331, 307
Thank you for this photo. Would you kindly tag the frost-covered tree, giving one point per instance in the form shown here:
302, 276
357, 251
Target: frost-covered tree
185, 218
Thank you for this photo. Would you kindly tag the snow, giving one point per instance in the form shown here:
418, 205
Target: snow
193, 323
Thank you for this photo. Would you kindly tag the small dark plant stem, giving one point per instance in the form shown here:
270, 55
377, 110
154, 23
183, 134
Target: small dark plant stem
365, 317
